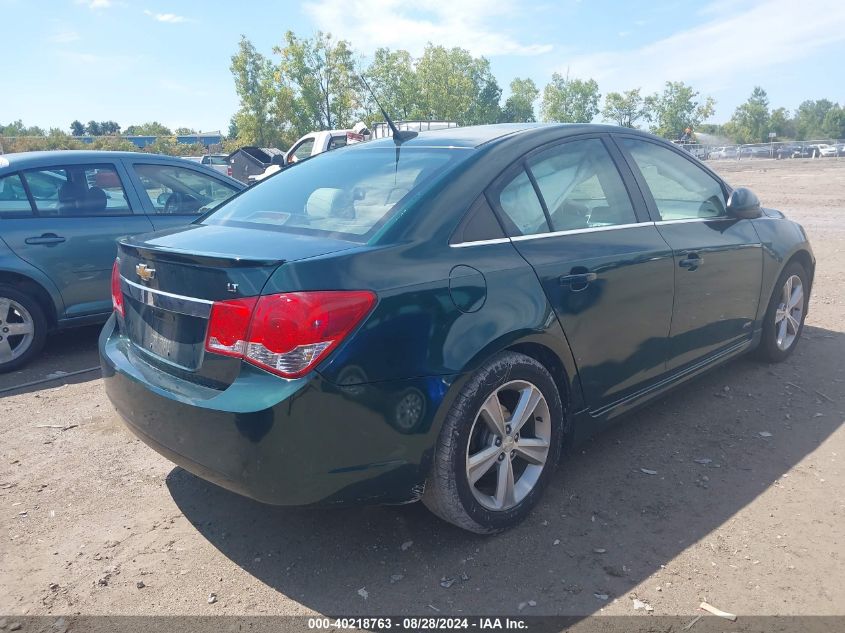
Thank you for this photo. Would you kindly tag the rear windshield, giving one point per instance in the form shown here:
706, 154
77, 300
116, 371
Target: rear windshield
216, 160
347, 193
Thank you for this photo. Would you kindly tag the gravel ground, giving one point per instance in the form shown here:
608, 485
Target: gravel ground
746, 510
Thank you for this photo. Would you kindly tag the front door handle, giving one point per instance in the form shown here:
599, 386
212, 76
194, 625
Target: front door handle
691, 262
578, 281
46, 238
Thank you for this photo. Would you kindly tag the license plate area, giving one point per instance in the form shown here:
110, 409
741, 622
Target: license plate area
170, 336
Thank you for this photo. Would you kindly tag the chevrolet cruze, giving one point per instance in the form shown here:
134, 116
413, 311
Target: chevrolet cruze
434, 318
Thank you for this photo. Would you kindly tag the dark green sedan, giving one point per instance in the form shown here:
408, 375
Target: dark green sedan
434, 318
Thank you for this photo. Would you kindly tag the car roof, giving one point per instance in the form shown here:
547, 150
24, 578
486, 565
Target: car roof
474, 136
26, 160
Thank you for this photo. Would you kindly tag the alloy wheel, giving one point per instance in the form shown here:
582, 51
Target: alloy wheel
789, 313
508, 445
17, 330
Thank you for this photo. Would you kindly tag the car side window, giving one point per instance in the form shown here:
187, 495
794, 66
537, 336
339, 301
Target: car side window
77, 190
337, 141
177, 190
681, 190
581, 186
302, 151
13, 199
521, 207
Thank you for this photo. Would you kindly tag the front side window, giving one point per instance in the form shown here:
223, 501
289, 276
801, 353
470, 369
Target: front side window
77, 190
177, 190
13, 198
681, 190
348, 192
581, 186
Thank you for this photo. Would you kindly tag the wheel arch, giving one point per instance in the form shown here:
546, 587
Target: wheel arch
36, 289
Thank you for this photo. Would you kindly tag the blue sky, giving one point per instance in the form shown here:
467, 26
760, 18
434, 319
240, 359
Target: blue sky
167, 60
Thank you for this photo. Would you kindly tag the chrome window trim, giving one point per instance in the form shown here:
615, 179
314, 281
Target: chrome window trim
496, 240
169, 301
720, 218
591, 229
537, 236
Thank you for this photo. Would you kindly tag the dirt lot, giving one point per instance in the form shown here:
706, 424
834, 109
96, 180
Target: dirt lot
89, 512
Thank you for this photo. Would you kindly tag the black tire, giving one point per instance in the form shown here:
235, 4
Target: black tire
768, 349
447, 492
39, 321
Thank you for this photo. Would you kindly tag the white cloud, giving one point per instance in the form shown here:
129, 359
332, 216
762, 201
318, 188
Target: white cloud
170, 18
370, 24
731, 45
95, 4
65, 37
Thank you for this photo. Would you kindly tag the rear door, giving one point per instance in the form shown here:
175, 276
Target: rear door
77, 213
175, 195
718, 258
603, 265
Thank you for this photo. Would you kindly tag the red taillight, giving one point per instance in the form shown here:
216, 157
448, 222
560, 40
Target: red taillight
116, 292
287, 333
229, 171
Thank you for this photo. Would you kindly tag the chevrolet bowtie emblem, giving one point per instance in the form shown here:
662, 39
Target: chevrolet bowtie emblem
145, 272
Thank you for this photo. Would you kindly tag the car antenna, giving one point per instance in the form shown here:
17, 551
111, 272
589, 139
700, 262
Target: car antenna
398, 135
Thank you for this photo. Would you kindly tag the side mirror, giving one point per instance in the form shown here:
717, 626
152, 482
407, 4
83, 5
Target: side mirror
743, 204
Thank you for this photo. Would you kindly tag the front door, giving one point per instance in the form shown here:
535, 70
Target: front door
605, 269
718, 258
76, 214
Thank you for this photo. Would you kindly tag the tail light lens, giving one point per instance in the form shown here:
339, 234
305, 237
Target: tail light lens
288, 333
116, 292
229, 171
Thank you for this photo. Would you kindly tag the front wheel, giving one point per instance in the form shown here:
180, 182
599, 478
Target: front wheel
498, 447
23, 328
784, 320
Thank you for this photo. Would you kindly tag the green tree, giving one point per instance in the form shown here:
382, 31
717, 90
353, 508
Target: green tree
318, 82
809, 118
109, 128
519, 106
76, 128
834, 122
17, 128
751, 121
625, 108
93, 128
151, 128
255, 86
570, 100
393, 79
678, 108
184, 131
455, 86
782, 124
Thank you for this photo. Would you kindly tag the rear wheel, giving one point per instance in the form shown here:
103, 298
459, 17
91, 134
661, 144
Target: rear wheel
498, 447
23, 328
784, 320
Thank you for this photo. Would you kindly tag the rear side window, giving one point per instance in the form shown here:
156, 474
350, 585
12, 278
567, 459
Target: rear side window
337, 141
681, 190
77, 190
521, 207
581, 186
177, 190
13, 199
302, 151
348, 192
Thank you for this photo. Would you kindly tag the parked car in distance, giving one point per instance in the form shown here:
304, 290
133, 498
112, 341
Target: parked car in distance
826, 150
433, 318
61, 213
756, 151
723, 152
218, 162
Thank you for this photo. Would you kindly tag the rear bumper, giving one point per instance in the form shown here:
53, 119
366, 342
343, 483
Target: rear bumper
282, 442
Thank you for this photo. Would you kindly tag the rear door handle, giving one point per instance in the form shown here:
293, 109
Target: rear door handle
46, 238
578, 281
691, 262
